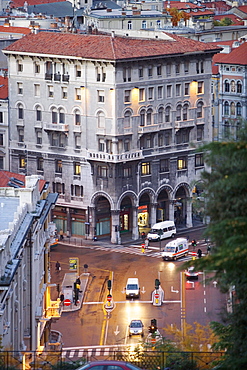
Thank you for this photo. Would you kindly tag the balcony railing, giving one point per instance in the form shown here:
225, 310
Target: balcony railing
115, 158
56, 127
184, 124
57, 77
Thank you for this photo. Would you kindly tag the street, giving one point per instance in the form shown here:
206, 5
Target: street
190, 301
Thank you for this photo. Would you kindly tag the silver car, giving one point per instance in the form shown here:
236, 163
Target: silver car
136, 328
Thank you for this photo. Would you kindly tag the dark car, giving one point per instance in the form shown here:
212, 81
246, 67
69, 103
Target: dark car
108, 365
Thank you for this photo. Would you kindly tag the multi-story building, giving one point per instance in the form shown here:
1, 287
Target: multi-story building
110, 122
4, 123
229, 89
24, 263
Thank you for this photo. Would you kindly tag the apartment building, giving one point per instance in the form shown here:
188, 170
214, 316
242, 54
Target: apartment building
112, 123
25, 305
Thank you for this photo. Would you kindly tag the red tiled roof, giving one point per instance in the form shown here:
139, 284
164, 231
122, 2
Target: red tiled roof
10, 29
236, 56
3, 87
182, 5
236, 20
105, 46
5, 177
219, 5
20, 3
243, 8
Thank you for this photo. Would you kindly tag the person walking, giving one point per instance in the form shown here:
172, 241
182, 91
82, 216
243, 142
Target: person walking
199, 253
58, 266
146, 243
61, 234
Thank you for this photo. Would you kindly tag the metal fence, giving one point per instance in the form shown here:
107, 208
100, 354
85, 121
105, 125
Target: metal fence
145, 359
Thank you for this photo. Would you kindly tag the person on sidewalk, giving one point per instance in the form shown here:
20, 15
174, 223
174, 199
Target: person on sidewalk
199, 253
58, 266
146, 243
61, 234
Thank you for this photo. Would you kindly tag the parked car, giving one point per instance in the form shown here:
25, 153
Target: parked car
191, 273
136, 328
108, 365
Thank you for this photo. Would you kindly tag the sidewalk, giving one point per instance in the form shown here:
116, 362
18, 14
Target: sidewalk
75, 306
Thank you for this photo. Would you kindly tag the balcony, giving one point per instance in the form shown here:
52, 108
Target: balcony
54, 310
184, 124
148, 128
57, 77
48, 76
115, 158
77, 128
65, 78
56, 127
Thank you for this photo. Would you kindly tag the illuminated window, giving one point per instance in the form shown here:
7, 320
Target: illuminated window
181, 163
77, 168
145, 168
22, 161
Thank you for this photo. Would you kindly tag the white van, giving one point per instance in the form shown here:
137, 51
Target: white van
132, 288
175, 249
162, 230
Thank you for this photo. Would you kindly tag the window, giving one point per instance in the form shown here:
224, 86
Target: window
36, 67
150, 71
199, 162
200, 87
178, 89
140, 72
232, 109
186, 67
127, 96
58, 187
38, 114
167, 138
160, 92
160, 115
77, 141
78, 70
101, 96
179, 112
126, 145
227, 86
61, 116
77, 168
39, 137
64, 92
54, 139
50, 91
78, 94
101, 119
54, 115
127, 172
149, 116
22, 161
145, 169
19, 88
19, 66
127, 74
158, 23
148, 141
186, 88
239, 109
199, 109
100, 74
37, 90
129, 25
102, 171
101, 145
127, 116
77, 117
159, 70
144, 24
168, 70
226, 131
160, 140
185, 112
142, 117
1, 163
141, 94
58, 166
168, 114
177, 68
40, 164
233, 87
164, 165
1, 139
169, 91
239, 87
20, 111
150, 93
199, 132
77, 190
181, 163
226, 108
1, 117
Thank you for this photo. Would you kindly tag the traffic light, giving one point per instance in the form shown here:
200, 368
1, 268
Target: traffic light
109, 284
153, 326
157, 284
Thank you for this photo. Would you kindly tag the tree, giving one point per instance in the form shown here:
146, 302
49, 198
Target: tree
225, 190
176, 15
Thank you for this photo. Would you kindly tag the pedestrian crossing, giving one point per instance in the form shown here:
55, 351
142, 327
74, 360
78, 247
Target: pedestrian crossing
89, 352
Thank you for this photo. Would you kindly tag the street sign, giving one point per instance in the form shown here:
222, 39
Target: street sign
156, 295
109, 298
67, 302
74, 264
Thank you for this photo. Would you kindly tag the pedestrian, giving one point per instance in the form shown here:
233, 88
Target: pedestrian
199, 253
58, 266
62, 298
61, 234
78, 283
146, 243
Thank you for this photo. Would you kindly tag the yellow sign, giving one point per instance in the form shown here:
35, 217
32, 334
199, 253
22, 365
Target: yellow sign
73, 263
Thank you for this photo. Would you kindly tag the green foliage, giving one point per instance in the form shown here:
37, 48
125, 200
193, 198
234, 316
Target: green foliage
226, 205
223, 22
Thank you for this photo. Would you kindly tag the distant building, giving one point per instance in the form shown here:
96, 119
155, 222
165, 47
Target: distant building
25, 207
4, 123
110, 122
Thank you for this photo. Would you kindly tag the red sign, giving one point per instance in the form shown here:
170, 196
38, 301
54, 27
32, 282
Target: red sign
109, 297
156, 295
67, 302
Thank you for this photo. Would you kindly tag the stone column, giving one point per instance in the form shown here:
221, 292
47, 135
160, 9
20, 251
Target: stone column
171, 209
188, 212
92, 222
153, 213
115, 228
135, 231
